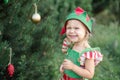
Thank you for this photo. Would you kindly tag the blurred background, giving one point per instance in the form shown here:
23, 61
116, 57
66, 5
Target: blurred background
36, 47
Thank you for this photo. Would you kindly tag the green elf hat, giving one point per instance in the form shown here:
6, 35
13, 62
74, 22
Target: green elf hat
81, 15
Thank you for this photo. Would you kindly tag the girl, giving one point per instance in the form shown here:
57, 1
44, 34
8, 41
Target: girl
80, 59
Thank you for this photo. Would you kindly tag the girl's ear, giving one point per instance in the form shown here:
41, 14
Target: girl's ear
87, 35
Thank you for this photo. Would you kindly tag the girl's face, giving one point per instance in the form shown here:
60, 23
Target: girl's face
75, 31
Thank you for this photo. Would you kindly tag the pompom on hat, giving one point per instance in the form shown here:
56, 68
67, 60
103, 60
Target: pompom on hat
81, 15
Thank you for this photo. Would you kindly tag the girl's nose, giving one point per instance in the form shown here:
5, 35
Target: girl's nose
71, 30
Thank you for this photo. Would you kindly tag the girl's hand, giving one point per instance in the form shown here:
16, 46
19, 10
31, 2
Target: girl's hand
61, 69
67, 64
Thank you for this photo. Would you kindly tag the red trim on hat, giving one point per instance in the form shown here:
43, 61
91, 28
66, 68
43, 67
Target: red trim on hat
87, 18
79, 10
63, 30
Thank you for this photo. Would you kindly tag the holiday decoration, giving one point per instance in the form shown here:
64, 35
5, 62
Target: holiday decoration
36, 17
4, 1
10, 67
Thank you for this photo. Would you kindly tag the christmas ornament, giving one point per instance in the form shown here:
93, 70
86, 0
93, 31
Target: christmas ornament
4, 1
10, 67
10, 70
36, 17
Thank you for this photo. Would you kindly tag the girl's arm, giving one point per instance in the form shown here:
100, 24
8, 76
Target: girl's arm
61, 69
88, 72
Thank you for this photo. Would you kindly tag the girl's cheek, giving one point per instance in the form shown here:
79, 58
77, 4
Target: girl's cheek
67, 31
77, 31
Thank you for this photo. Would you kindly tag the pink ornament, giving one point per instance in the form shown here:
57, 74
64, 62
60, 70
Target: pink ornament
10, 70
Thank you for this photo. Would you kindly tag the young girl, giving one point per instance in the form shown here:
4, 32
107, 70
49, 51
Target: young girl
81, 59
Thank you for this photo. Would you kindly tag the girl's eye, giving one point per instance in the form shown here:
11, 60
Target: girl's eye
77, 28
68, 27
